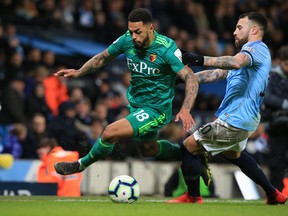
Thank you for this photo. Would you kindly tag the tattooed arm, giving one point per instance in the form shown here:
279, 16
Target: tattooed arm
208, 76
92, 65
191, 88
191, 91
95, 63
227, 62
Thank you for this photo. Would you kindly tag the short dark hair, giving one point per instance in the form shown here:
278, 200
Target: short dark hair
256, 17
140, 15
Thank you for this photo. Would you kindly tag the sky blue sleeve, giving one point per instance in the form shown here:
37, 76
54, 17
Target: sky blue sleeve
255, 51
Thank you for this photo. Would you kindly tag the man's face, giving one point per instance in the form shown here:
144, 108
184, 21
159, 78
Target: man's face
139, 33
241, 33
39, 124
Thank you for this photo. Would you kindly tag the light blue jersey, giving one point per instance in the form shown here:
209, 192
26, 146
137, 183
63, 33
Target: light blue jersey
246, 87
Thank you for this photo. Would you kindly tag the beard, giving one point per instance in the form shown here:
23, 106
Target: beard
240, 42
139, 45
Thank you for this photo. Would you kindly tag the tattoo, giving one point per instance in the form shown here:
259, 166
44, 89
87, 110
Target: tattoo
227, 62
191, 89
208, 76
244, 59
224, 62
95, 63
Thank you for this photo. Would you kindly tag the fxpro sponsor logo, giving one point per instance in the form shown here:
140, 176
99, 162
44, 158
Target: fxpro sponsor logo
141, 67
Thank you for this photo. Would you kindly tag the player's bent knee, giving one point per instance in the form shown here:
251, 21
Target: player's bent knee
191, 144
108, 136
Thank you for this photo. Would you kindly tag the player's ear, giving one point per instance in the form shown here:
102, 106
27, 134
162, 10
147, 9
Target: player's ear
151, 27
254, 30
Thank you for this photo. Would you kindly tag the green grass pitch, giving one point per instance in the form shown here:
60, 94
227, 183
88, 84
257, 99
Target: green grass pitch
145, 206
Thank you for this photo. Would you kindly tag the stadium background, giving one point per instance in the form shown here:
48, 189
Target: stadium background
66, 33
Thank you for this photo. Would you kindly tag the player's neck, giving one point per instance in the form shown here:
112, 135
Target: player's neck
254, 38
152, 36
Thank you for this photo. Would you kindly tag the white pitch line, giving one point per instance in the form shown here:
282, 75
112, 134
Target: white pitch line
140, 200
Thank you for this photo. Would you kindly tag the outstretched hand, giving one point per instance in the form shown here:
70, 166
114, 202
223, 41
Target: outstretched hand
189, 58
186, 118
72, 73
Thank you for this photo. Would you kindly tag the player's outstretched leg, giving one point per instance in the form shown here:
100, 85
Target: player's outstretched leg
67, 168
250, 168
99, 150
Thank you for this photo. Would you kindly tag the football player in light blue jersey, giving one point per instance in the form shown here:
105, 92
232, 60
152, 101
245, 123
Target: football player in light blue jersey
247, 75
155, 62
245, 88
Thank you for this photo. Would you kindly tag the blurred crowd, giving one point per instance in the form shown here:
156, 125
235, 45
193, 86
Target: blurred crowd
34, 104
204, 26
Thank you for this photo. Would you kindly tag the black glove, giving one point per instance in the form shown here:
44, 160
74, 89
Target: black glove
189, 58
